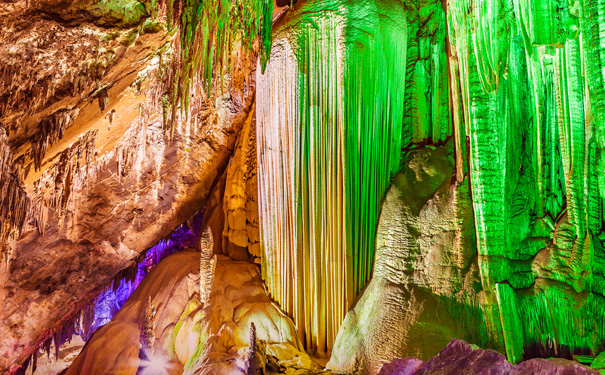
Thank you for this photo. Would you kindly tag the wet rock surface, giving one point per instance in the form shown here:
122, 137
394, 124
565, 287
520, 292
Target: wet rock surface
459, 357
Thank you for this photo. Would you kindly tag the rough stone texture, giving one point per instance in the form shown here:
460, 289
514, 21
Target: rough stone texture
425, 266
103, 185
241, 196
238, 299
459, 357
554, 366
599, 363
403, 366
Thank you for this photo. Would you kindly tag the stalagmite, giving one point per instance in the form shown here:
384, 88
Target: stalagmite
148, 326
207, 265
381, 176
257, 354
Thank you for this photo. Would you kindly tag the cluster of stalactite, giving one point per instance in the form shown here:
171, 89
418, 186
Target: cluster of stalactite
132, 146
210, 39
328, 143
517, 84
206, 45
528, 78
49, 131
59, 186
14, 202
426, 104
214, 36
30, 81
55, 187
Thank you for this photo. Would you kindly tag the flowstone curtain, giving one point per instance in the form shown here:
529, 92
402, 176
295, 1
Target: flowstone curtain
329, 115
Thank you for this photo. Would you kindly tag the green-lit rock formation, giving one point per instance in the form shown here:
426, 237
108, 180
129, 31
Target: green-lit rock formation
530, 87
517, 86
329, 141
392, 173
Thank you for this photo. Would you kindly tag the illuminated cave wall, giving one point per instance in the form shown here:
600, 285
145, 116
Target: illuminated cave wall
518, 85
531, 105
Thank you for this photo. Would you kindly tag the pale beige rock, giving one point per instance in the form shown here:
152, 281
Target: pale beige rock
232, 209
425, 259
238, 299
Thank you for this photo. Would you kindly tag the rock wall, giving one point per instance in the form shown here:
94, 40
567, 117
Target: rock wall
232, 208
531, 108
459, 357
90, 178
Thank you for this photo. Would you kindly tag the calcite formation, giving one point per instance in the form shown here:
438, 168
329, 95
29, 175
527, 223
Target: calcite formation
373, 179
14, 202
328, 142
424, 290
231, 212
529, 83
237, 300
88, 178
517, 86
207, 266
115, 346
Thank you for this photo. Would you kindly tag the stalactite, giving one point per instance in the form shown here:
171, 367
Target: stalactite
426, 109
14, 202
32, 79
55, 187
328, 143
511, 323
209, 34
49, 131
103, 98
528, 75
